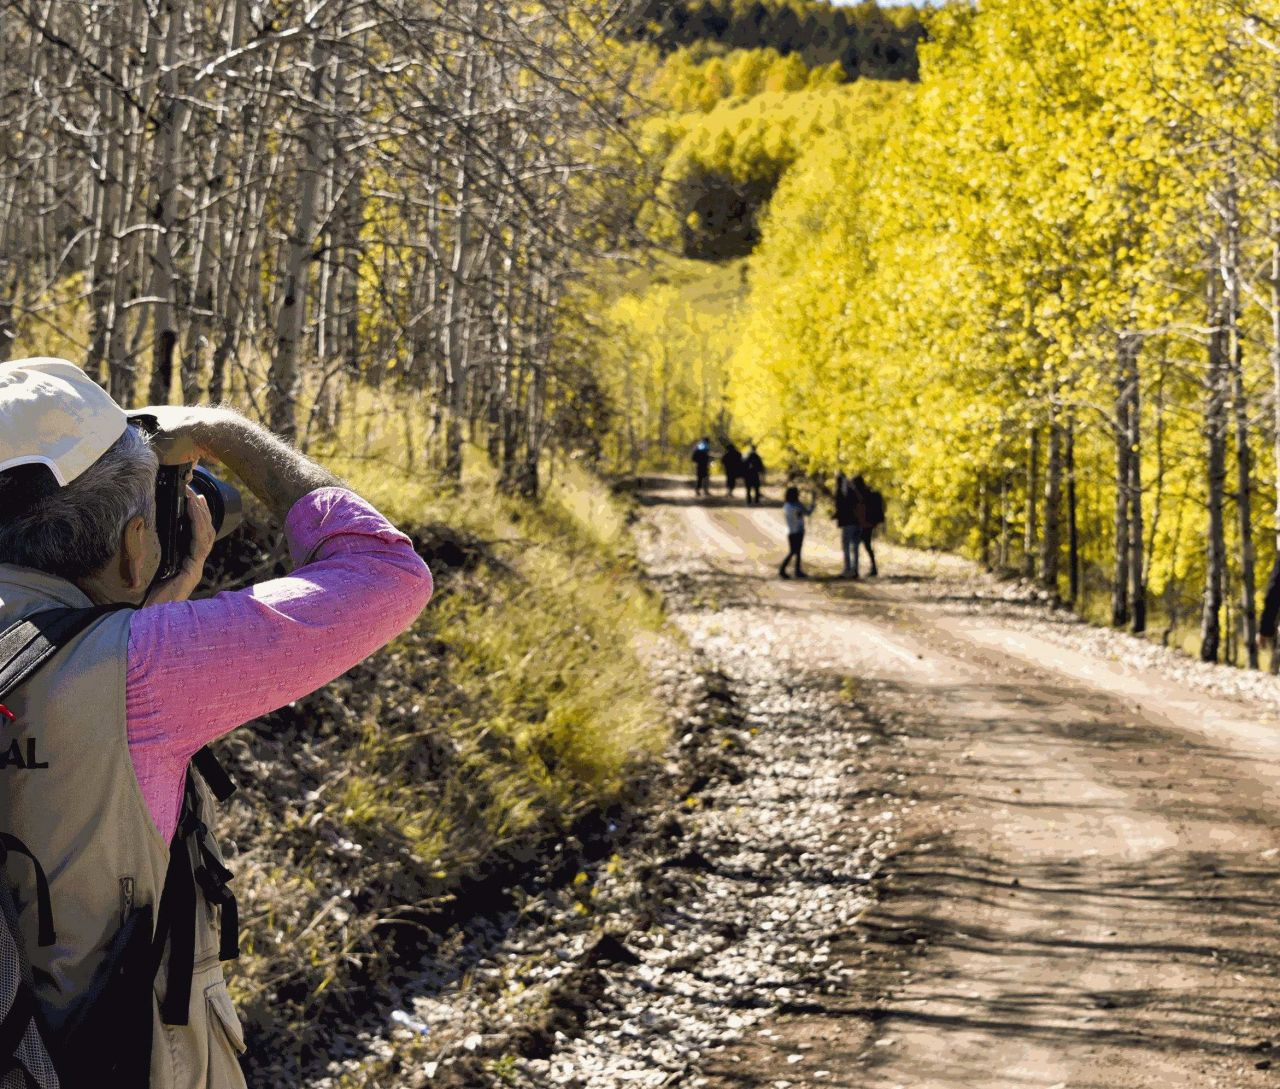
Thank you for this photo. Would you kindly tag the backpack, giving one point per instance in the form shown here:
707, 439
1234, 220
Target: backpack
106, 1038
875, 507
24, 1059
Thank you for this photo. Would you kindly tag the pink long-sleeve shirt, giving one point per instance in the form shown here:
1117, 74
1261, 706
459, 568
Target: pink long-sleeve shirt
356, 584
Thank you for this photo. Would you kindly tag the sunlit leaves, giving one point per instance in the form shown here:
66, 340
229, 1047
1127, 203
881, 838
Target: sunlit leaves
934, 284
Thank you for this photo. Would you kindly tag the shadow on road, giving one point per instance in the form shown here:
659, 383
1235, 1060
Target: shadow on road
1123, 905
1190, 921
676, 492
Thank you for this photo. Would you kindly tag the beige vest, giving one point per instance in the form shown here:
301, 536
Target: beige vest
68, 790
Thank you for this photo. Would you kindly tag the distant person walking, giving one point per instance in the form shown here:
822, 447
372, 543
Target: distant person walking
795, 513
870, 507
702, 467
849, 515
732, 462
1270, 609
752, 475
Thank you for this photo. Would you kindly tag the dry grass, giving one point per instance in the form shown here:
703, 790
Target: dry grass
516, 706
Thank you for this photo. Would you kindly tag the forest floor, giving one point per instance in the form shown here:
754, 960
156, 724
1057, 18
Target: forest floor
927, 832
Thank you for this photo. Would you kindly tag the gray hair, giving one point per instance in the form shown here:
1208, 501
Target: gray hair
73, 531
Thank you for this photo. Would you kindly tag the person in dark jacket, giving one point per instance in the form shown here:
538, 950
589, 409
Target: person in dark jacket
849, 519
731, 459
702, 466
752, 475
870, 508
1270, 608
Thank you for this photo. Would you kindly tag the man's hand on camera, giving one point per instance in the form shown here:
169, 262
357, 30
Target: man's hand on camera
271, 469
185, 432
184, 583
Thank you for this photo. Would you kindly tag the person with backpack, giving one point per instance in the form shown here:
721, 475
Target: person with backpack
731, 459
113, 683
848, 515
795, 513
701, 458
870, 513
752, 475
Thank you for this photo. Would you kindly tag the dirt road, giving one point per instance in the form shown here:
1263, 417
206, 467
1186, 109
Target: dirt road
1082, 889
916, 832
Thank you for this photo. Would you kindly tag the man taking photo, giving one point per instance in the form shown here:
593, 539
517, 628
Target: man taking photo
96, 747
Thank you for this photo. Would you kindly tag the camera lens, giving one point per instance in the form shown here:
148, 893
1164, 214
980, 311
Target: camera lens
224, 510
223, 500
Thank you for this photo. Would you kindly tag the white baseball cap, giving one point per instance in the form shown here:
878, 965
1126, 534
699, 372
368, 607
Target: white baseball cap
53, 414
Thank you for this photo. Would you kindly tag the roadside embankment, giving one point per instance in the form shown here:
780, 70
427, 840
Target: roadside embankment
761, 845
495, 742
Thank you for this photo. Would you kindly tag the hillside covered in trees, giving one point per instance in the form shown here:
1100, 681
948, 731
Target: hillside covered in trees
725, 117
1033, 295
865, 39
291, 203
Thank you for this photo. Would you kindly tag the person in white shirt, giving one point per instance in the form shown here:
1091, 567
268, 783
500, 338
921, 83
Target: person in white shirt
795, 512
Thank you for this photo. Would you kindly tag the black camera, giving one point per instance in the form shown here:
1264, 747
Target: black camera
172, 523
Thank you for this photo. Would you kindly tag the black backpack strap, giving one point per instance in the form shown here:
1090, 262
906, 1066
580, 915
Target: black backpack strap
176, 929
44, 905
28, 644
213, 773
193, 868
211, 875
